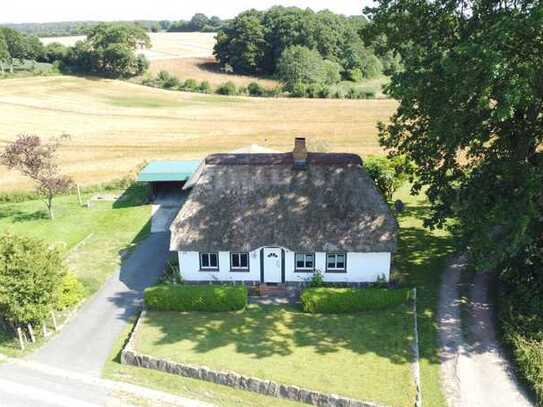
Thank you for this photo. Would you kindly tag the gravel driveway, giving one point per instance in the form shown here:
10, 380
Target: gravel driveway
474, 374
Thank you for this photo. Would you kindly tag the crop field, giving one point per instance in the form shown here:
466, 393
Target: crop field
164, 45
114, 126
205, 69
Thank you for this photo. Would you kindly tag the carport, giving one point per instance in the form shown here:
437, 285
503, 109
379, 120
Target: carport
167, 176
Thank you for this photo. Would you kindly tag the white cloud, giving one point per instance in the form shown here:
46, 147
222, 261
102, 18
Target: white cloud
73, 10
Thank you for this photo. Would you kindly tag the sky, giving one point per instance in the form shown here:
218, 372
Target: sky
41, 11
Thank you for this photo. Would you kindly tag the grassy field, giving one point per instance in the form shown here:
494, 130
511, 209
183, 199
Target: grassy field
368, 353
164, 45
114, 125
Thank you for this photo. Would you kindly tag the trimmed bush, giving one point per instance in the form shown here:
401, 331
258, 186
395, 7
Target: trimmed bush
345, 300
195, 298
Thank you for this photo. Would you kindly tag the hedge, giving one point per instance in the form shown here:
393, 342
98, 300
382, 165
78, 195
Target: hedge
195, 298
343, 300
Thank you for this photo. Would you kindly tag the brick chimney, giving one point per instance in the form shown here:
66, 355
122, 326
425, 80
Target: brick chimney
300, 152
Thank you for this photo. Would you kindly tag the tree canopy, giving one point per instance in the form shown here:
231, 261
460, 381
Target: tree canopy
110, 50
254, 41
470, 115
18, 46
299, 66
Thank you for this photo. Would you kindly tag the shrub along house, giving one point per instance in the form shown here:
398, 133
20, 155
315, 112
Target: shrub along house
279, 217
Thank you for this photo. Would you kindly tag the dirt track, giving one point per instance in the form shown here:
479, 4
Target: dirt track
474, 374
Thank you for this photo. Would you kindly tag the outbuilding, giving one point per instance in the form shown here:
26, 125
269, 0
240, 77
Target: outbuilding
166, 176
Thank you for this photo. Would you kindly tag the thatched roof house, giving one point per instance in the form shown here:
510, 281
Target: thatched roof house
299, 202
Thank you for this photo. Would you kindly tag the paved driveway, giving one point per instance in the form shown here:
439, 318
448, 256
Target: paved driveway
85, 343
66, 371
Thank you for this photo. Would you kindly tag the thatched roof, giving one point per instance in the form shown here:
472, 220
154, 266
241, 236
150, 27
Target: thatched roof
241, 202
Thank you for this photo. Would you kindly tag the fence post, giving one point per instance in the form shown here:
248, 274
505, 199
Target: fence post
31, 332
54, 320
21, 340
79, 195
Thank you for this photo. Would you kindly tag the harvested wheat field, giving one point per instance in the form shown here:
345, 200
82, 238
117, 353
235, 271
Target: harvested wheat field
115, 125
164, 45
205, 69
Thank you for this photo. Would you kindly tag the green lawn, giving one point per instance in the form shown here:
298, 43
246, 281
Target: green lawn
420, 261
368, 353
91, 238
196, 389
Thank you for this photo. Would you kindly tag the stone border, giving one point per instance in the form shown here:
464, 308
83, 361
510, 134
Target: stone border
129, 356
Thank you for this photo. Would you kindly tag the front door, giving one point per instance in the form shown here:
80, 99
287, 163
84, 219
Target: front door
272, 264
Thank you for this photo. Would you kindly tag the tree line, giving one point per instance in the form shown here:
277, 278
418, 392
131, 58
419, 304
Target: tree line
198, 23
255, 42
110, 49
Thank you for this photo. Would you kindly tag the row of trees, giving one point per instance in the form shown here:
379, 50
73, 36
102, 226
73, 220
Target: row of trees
254, 42
198, 23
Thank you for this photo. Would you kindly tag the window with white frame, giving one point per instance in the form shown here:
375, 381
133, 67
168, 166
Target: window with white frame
305, 261
239, 261
209, 261
335, 262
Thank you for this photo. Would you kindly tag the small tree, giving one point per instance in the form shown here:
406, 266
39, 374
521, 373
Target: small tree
389, 174
37, 161
30, 279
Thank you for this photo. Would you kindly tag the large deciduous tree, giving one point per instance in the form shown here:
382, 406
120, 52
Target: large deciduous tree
470, 115
37, 160
110, 50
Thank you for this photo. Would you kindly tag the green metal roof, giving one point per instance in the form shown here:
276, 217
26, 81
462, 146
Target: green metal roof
159, 171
